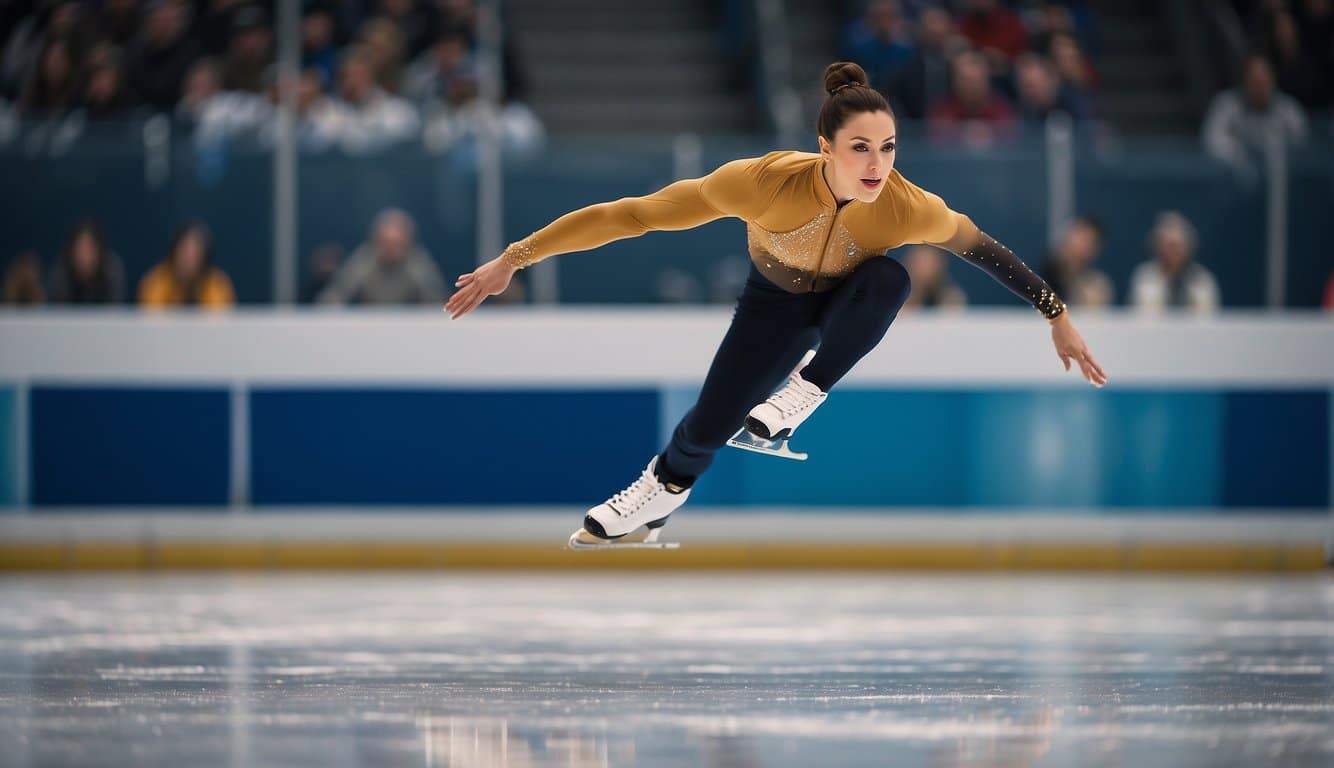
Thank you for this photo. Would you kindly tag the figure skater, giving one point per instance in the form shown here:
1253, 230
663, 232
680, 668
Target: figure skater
817, 228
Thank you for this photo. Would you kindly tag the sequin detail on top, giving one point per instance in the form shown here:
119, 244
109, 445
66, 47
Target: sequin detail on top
519, 254
845, 254
798, 248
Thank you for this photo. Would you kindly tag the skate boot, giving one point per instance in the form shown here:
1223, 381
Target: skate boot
771, 423
633, 517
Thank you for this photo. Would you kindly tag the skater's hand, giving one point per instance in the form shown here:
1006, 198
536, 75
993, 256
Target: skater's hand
1069, 344
487, 280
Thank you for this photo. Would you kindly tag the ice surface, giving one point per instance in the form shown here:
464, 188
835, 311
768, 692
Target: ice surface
613, 668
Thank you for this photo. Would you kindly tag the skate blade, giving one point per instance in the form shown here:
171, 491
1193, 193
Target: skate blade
641, 539
749, 441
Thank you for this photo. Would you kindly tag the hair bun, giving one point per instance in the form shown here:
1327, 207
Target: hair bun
842, 74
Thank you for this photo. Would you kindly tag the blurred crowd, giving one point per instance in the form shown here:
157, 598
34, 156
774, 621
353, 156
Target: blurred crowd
1170, 278
377, 72
389, 269
1287, 77
977, 71
372, 72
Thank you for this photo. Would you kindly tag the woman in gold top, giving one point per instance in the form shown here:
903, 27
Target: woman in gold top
817, 228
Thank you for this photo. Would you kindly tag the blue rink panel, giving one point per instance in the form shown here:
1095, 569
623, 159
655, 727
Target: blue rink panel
129, 445
9, 447
1053, 448
388, 446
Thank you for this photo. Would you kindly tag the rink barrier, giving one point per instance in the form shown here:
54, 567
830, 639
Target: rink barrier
536, 406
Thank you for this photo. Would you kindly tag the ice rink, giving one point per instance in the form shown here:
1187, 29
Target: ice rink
430, 669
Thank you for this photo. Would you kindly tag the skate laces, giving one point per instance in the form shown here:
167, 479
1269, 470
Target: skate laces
794, 397
640, 492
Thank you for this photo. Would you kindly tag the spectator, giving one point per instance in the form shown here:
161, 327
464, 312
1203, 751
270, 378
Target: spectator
1172, 279
106, 95
249, 53
1040, 91
1328, 302
462, 15
87, 272
316, 122
382, 44
1078, 79
324, 264
410, 22
429, 78
1070, 271
365, 117
40, 27
215, 115
1239, 120
1298, 40
974, 113
879, 42
390, 269
159, 60
460, 117
1049, 19
23, 280
925, 79
995, 30
54, 88
317, 43
187, 277
930, 278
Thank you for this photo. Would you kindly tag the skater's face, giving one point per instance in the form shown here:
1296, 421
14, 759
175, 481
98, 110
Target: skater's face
860, 156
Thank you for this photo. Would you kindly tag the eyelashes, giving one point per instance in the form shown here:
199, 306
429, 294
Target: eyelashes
887, 148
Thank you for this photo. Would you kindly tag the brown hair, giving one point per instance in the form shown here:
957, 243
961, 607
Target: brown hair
193, 289
843, 103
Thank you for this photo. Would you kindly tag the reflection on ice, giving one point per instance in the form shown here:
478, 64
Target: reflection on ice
723, 670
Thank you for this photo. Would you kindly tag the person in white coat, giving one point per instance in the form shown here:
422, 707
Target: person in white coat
1172, 279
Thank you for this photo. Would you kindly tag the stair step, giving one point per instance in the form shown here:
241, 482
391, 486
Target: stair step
525, 8
644, 117
644, 21
661, 82
1128, 104
611, 51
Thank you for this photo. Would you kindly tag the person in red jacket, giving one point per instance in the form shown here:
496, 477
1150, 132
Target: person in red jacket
973, 113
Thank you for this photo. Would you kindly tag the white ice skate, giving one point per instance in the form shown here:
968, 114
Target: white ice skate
632, 518
771, 423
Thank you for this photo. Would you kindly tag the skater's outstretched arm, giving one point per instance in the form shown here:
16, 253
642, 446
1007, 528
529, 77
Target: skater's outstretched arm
984, 252
728, 191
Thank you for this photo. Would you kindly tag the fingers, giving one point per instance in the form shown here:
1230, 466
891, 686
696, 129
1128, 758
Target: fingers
465, 279
458, 303
465, 301
1091, 370
1065, 359
1096, 367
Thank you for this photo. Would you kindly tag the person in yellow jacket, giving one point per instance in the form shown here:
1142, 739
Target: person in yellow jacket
817, 229
187, 277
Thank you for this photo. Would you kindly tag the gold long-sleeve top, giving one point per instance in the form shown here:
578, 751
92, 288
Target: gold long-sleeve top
798, 235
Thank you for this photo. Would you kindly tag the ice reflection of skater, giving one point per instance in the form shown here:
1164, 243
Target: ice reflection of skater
817, 226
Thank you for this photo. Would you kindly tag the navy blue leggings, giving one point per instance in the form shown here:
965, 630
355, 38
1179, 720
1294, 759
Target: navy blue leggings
771, 330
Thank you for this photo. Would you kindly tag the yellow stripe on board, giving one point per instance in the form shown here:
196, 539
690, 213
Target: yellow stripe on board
703, 556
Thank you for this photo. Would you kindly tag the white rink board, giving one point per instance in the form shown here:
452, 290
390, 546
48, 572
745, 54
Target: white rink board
621, 347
